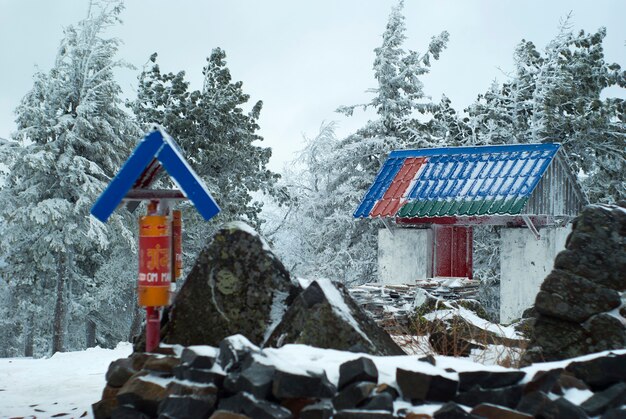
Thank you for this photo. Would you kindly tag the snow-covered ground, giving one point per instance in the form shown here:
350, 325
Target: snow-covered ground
67, 382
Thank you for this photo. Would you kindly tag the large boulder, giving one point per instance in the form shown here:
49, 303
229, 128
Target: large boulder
237, 286
325, 316
580, 307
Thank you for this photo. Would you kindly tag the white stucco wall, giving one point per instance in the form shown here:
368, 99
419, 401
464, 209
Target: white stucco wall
404, 255
525, 262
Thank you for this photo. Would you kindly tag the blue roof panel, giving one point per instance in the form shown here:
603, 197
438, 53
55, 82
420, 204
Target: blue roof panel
383, 180
477, 176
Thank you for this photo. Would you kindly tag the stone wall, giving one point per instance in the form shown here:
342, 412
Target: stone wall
581, 305
238, 380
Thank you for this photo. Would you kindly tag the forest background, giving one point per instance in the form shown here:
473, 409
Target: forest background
67, 283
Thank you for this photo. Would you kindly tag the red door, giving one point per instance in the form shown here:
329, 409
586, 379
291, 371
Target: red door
452, 251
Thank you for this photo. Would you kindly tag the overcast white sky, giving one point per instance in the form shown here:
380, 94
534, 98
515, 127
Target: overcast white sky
303, 59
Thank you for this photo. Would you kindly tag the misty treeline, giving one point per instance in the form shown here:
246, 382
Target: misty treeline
68, 281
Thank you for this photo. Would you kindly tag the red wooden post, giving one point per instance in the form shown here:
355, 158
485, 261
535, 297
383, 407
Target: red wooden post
153, 328
177, 245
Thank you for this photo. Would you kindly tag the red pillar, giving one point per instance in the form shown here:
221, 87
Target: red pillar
153, 328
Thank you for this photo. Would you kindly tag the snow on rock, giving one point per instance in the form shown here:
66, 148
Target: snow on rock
471, 317
324, 315
339, 305
277, 311
71, 382
240, 225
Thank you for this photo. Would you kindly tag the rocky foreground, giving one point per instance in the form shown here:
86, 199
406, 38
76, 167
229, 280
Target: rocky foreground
239, 380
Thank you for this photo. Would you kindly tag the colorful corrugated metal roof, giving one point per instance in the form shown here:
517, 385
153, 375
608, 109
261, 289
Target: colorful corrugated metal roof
457, 181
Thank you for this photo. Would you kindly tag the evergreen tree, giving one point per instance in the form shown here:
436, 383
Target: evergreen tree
337, 245
73, 136
568, 108
216, 135
557, 97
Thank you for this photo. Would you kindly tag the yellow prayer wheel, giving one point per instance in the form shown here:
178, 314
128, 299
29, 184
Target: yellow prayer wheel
154, 261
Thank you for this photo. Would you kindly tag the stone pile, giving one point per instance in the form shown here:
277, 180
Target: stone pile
393, 306
238, 380
580, 307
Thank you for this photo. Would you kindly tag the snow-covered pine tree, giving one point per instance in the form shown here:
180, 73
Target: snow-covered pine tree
568, 108
449, 126
72, 135
556, 96
293, 229
339, 246
217, 136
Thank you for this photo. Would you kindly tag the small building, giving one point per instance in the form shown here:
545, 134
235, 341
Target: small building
431, 200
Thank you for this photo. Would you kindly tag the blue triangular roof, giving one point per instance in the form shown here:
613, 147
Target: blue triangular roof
156, 145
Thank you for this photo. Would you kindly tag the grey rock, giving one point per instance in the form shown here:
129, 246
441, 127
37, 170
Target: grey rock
190, 389
119, 372
360, 369
141, 395
600, 373
380, 401
613, 396
193, 359
560, 297
234, 350
231, 289
313, 320
186, 407
258, 409
451, 410
592, 267
417, 386
532, 403
489, 379
352, 395
561, 408
287, 385
255, 379
362, 414
386, 388
320, 410
201, 376
504, 396
544, 381
604, 332
413, 385
126, 412
486, 410
617, 413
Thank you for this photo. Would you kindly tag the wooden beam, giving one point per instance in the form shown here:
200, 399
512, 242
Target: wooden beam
139, 194
531, 227
501, 220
